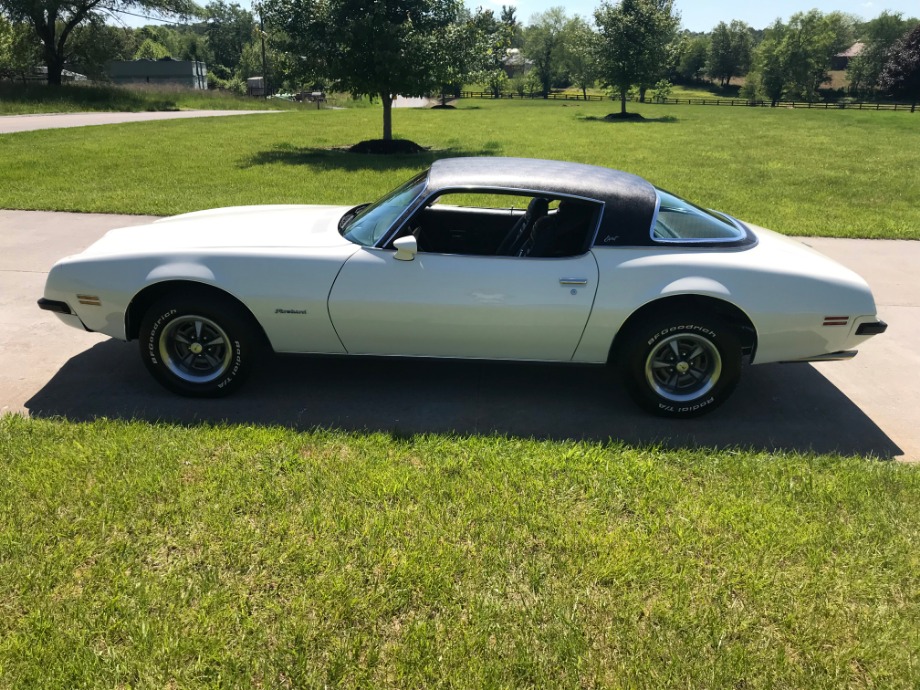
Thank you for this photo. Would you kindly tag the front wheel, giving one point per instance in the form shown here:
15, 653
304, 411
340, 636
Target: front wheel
198, 346
680, 365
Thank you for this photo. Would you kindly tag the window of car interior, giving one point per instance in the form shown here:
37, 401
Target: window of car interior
490, 223
367, 224
678, 220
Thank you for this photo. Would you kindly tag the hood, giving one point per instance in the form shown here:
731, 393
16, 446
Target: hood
239, 227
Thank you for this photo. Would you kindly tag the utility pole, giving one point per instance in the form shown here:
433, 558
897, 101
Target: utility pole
265, 83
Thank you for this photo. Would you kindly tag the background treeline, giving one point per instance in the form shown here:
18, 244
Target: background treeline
337, 44
225, 37
786, 60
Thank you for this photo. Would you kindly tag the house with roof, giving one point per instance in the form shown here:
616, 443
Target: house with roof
842, 60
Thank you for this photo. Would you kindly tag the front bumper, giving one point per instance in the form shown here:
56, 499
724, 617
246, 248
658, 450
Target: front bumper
55, 306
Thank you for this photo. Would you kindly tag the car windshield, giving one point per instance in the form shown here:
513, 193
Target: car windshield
679, 220
368, 226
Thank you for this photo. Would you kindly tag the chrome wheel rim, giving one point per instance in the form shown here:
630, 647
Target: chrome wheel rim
195, 349
683, 367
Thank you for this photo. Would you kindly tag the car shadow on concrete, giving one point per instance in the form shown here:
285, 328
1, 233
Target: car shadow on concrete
776, 407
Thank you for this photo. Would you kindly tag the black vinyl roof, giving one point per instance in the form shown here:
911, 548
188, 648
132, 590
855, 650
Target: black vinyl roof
629, 201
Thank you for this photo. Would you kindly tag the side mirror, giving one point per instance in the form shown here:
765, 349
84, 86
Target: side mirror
406, 248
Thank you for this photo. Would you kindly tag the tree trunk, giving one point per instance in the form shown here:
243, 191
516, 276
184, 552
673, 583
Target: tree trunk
387, 99
623, 90
54, 63
584, 92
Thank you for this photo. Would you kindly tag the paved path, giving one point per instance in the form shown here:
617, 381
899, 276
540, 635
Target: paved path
27, 123
410, 102
867, 406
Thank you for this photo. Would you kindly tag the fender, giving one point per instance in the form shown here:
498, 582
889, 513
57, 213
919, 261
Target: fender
181, 271
695, 285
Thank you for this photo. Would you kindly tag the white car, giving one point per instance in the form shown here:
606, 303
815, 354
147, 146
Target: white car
491, 258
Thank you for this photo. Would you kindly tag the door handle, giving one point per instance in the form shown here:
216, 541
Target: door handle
573, 281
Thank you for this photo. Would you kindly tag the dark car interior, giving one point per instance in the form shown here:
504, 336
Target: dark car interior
537, 227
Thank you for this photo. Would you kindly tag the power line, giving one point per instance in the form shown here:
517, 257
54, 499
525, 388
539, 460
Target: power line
145, 16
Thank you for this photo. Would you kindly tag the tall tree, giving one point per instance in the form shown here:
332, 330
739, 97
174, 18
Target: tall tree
476, 49
509, 19
466, 48
55, 20
900, 77
632, 47
579, 54
810, 42
543, 45
730, 51
878, 37
375, 48
771, 75
793, 59
18, 53
229, 29
692, 59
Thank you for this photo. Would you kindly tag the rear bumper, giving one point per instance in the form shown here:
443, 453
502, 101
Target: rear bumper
871, 328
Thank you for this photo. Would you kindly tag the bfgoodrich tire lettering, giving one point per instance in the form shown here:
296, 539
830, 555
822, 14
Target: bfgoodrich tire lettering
680, 365
199, 346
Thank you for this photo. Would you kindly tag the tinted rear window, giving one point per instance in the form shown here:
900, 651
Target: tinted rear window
678, 220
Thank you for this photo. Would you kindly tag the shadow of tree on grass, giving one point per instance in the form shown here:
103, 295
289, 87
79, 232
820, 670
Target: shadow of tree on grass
342, 159
665, 119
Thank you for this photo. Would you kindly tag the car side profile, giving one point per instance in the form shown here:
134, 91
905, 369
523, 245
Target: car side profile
488, 258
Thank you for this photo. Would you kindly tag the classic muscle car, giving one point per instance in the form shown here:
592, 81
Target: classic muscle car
492, 258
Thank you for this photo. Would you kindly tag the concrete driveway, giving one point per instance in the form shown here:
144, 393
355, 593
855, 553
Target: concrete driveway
27, 123
867, 406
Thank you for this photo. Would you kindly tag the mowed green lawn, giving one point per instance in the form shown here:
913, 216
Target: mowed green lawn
138, 555
152, 556
832, 173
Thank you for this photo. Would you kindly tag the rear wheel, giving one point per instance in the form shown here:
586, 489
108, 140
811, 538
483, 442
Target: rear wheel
680, 365
199, 346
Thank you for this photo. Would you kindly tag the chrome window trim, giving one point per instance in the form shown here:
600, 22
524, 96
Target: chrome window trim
741, 230
511, 191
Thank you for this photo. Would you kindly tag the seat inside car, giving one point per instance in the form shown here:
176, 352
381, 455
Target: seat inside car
563, 233
518, 235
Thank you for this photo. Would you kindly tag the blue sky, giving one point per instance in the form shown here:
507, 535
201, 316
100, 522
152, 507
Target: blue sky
696, 16
703, 16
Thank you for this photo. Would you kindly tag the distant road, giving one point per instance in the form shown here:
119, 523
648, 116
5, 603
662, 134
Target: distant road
406, 102
28, 123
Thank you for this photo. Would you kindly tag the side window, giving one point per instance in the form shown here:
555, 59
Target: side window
490, 223
680, 221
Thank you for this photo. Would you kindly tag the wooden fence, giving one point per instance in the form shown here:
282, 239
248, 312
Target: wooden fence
737, 102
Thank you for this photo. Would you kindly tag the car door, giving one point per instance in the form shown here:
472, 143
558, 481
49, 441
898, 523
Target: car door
453, 305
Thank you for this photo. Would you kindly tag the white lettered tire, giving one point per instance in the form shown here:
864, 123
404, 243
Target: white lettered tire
680, 365
197, 345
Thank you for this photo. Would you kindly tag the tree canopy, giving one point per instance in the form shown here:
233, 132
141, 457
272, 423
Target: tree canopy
794, 58
376, 48
632, 46
730, 51
54, 21
543, 44
878, 36
901, 75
